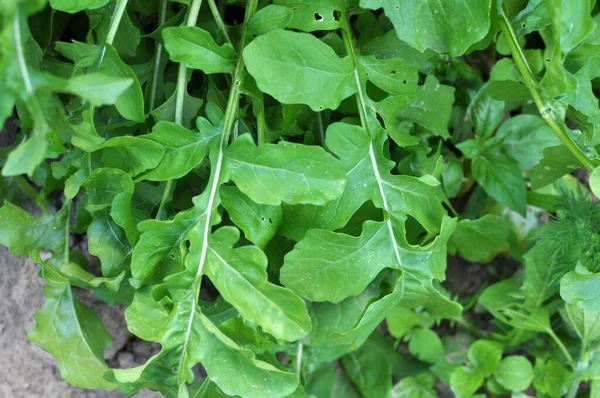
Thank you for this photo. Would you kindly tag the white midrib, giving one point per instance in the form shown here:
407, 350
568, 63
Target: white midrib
204, 250
362, 104
20, 55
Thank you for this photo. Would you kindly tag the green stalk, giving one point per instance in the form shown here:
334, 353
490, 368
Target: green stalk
220, 23
67, 230
579, 368
299, 359
162, 15
560, 345
116, 21
532, 85
182, 81
32, 193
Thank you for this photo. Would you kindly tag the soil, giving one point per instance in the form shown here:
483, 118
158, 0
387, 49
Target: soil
26, 371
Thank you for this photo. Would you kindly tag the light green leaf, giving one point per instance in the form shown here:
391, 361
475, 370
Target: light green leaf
557, 162
184, 150
311, 15
486, 113
477, 240
464, 382
108, 242
130, 104
514, 373
581, 290
451, 26
78, 348
259, 222
73, 6
98, 89
196, 49
133, 155
585, 323
269, 18
298, 68
241, 277
287, 172
485, 356
103, 185
23, 233
426, 345
595, 181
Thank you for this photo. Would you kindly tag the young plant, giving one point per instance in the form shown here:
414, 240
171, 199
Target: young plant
272, 190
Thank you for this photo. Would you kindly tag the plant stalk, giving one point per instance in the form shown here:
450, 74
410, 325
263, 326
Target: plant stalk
162, 15
116, 21
532, 85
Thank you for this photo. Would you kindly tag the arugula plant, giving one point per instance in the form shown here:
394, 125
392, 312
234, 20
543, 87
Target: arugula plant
272, 189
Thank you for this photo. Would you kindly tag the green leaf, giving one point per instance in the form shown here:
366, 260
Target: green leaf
297, 68
184, 150
130, 104
477, 240
23, 233
196, 49
595, 181
502, 180
311, 175
486, 114
133, 155
585, 323
241, 277
97, 88
543, 273
451, 26
108, 242
581, 290
464, 382
426, 345
103, 185
73, 6
311, 15
557, 162
514, 373
485, 356
259, 222
555, 378
269, 18
524, 137
78, 348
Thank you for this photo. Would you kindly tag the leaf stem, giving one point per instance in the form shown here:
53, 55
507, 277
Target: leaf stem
192, 18
67, 231
532, 85
579, 368
32, 193
560, 345
162, 15
220, 23
299, 359
167, 193
116, 21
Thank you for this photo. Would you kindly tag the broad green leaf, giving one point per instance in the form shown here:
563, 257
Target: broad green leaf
555, 379
543, 270
98, 89
450, 26
103, 185
420, 386
269, 18
430, 108
585, 323
241, 277
196, 49
130, 104
133, 155
464, 382
426, 345
311, 175
557, 162
73, 6
485, 356
581, 290
502, 180
184, 150
297, 68
477, 240
393, 75
75, 336
400, 321
370, 368
486, 113
327, 381
259, 222
108, 242
523, 139
23, 233
514, 373
311, 15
